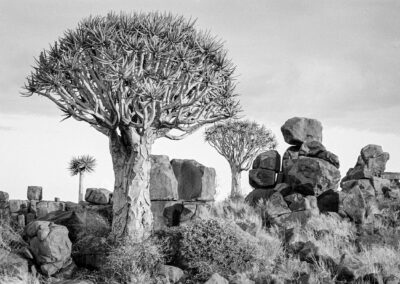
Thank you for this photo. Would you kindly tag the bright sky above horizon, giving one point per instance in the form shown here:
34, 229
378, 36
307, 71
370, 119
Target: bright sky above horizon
336, 61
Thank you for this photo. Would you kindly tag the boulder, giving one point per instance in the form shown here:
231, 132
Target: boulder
311, 149
261, 178
288, 159
45, 207
195, 181
163, 183
80, 223
240, 278
311, 176
284, 189
50, 246
298, 130
4, 197
170, 273
98, 196
296, 202
380, 185
216, 279
256, 195
15, 205
328, 201
357, 200
293, 218
157, 208
276, 205
175, 213
13, 268
34, 193
269, 160
330, 157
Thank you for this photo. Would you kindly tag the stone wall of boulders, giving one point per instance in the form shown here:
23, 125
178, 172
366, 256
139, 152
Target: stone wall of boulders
306, 181
180, 190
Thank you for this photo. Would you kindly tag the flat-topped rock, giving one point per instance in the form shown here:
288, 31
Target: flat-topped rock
298, 130
163, 183
45, 207
34, 192
195, 181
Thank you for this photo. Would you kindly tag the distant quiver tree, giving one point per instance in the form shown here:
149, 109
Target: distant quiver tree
239, 142
81, 165
136, 78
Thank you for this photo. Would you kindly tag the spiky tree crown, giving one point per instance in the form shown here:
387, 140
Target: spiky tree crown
147, 70
82, 164
240, 141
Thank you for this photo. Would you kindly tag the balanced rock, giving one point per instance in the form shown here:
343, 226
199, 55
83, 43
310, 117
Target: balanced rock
298, 130
261, 178
163, 183
34, 193
98, 196
195, 181
50, 246
311, 176
269, 160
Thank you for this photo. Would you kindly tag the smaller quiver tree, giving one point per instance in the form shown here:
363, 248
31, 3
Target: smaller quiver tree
81, 165
239, 142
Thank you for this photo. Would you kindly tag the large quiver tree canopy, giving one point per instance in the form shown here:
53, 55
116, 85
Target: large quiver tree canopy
147, 71
136, 78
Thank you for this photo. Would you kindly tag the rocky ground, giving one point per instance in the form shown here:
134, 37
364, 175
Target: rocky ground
302, 223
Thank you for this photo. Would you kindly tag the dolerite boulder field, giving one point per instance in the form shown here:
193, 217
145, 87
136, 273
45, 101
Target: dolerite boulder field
306, 180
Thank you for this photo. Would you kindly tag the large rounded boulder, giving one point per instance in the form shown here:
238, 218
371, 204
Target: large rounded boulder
312, 176
163, 183
298, 130
50, 246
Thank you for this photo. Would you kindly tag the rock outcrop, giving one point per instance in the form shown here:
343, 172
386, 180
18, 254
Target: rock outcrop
363, 186
50, 246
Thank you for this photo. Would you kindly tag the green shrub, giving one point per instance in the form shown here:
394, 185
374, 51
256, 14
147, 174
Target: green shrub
212, 246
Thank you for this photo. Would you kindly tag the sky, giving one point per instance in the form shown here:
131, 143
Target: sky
336, 61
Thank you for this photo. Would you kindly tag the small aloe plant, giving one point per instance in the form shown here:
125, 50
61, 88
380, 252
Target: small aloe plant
81, 165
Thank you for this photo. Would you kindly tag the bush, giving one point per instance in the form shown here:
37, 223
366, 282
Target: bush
212, 246
129, 262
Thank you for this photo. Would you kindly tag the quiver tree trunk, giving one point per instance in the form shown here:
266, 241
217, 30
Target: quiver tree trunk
80, 197
236, 188
130, 153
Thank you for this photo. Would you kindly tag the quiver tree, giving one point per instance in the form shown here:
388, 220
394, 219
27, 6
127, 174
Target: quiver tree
81, 165
136, 78
239, 142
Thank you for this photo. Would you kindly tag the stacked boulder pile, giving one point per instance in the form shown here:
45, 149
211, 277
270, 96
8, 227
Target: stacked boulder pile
180, 190
365, 185
308, 172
